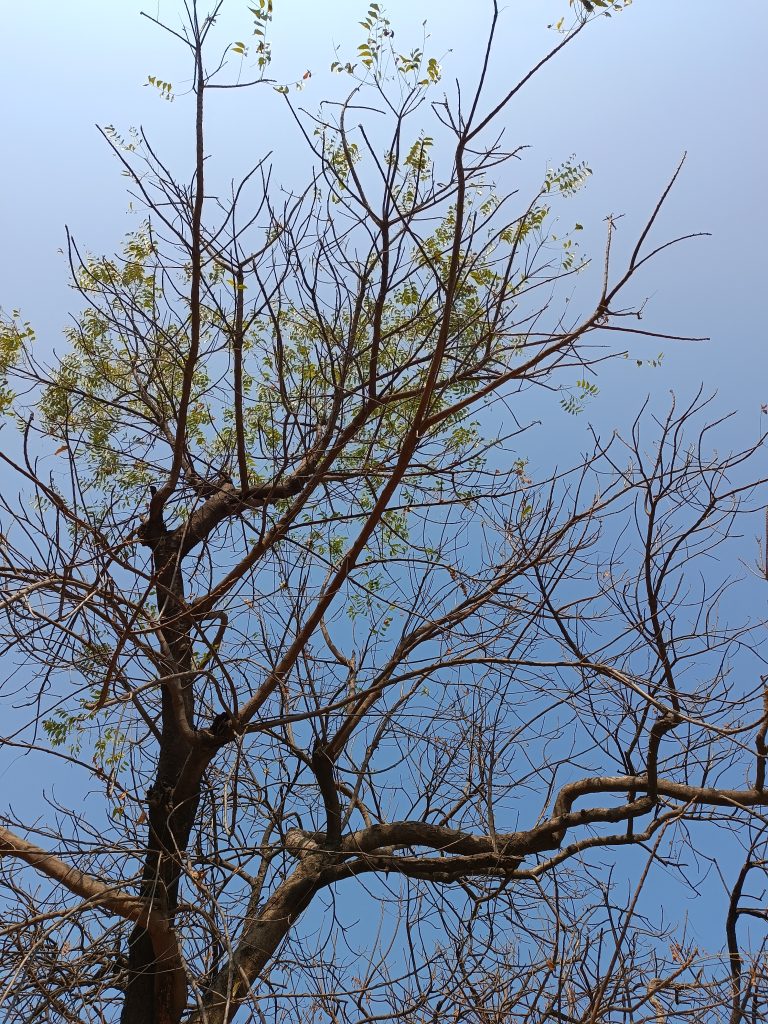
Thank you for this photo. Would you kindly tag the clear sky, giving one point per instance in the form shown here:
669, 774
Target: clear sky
629, 97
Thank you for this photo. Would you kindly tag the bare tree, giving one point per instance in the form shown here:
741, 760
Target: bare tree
362, 711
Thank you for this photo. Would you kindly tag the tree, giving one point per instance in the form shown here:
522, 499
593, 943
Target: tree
280, 582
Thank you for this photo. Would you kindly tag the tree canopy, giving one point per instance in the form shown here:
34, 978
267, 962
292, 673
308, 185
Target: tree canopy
379, 717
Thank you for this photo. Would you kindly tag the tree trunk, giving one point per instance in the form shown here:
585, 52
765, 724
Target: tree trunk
156, 991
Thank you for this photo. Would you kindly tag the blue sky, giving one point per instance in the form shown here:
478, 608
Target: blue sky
629, 97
